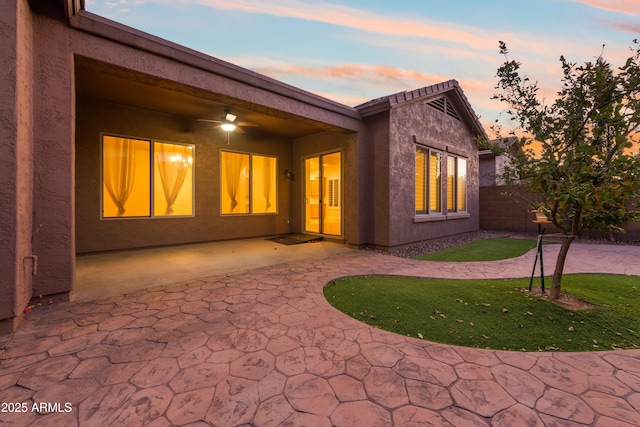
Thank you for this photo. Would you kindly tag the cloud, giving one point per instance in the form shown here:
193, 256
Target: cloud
629, 7
629, 27
358, 19
353, 84
345, 99
373, 76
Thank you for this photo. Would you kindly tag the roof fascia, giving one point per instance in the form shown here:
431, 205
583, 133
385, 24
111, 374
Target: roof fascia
472, 118
374, 107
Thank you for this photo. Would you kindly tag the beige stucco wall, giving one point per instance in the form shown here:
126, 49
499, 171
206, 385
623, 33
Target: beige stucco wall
16, 168
93, 234
412, 122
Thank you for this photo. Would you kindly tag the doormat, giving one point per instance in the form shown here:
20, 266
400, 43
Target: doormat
294, 238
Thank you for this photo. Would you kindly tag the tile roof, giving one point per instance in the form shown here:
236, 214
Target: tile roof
388, 102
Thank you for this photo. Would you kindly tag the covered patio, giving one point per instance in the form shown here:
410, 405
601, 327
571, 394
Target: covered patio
124, 272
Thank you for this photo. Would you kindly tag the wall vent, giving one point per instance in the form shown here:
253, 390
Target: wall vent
441, 104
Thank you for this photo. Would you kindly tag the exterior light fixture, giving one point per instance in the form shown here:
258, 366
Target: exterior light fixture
228, 121
288, 174
228, 127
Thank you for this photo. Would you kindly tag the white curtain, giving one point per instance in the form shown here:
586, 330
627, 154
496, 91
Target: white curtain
173, 162
233, 168
267, 175
119, 170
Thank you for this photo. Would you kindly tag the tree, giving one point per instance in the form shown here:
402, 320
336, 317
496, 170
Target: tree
585, 169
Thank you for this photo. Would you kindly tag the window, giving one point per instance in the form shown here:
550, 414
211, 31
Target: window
334, 193
248, 183
145, 179
428, 181
456, 184
123, 195
172, 170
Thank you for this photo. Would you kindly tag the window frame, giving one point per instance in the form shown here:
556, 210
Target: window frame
428, 152
152, 181
455, 197
250, 189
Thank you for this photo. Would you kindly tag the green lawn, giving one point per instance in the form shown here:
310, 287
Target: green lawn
483, 250
496, 314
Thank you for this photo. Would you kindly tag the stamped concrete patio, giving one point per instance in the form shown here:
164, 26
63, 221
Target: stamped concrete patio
262, 347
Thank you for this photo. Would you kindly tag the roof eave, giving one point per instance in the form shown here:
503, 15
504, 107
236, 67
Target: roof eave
108, 29
374, 107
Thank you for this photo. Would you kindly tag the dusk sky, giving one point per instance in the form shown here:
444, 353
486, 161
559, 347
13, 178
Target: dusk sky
353, 51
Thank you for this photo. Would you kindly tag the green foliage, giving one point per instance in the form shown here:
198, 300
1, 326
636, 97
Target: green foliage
585, 170
482, 250
495, 314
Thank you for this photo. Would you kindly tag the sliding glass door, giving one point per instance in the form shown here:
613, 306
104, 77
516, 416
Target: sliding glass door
323, 194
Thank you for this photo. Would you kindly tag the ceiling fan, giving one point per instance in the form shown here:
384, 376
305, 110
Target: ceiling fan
228, 122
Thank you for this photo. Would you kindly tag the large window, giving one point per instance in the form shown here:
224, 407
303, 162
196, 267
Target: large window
428, 181
141, 178
429, 186
248, 183
456, 184
173, 179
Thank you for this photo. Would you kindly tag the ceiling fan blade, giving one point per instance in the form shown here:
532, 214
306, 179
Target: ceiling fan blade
238, 130
208, 120
250, 124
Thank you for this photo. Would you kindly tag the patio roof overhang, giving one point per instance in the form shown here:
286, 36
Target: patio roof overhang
276, 107
110, 82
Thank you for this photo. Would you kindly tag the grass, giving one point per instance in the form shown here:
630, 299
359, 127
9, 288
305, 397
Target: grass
483, 250
496, 314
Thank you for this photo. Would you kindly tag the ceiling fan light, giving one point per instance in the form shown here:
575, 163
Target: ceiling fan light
228, 127
230, 117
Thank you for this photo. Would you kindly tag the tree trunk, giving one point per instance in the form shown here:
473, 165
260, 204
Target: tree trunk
554, 294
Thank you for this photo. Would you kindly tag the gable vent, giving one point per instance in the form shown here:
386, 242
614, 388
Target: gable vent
442, 105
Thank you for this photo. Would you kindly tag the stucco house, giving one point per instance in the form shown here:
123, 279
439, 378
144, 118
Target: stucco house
110, 140
494, 163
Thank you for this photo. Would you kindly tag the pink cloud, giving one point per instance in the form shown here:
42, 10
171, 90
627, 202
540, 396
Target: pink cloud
629, 27
376, 75
359, 19
369, 81
630, 7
